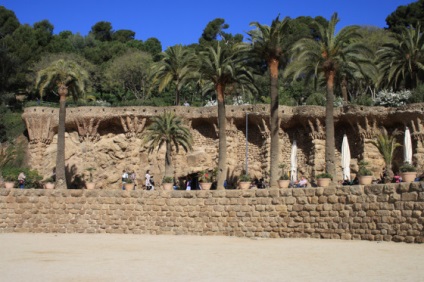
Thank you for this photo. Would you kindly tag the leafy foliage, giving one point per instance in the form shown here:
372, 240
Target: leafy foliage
245, 178
363, 169
390, 98
33, 179
324, 175
407, 167
168, 179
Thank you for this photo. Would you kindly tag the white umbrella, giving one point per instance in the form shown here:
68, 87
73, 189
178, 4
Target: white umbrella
345, 158
407, 148
293, 161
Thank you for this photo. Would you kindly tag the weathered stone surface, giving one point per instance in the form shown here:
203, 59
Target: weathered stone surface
110, 140
268, 213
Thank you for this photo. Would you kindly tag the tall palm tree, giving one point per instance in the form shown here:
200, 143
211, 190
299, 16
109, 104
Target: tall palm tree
402, 63
222, 67
65, 76
169, 130
386, 145
267, 44
176, 67
325, 56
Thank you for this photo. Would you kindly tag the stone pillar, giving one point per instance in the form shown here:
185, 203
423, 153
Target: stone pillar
317, 156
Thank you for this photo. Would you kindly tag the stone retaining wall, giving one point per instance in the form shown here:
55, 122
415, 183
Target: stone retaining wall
391, 212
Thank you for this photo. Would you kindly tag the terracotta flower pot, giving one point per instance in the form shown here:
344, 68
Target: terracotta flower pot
365, 179
323, 182
9, 184
244, 185
90, 185
408, 176
206, 185
283, 183
167, 186
49, 185
129, 186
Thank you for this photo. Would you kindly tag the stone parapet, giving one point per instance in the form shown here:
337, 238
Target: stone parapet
383, 212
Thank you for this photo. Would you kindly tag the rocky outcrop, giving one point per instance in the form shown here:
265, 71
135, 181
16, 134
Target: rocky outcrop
110, 139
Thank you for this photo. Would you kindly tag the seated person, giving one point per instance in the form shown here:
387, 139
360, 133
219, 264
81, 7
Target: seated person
303, 182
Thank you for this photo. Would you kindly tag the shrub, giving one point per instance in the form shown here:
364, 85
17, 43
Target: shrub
168, 179
407, 167
33, 179
389, 98
245, 178
363, 170
284, 175
324, 175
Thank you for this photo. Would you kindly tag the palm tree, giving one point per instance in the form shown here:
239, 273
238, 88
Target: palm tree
169, 130
325, 56
267, 42
175, 67
66, 72
402, 62
66, 76
386, 145
223, 67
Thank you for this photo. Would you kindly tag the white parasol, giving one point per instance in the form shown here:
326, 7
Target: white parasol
293, 161
345, 158
407, 148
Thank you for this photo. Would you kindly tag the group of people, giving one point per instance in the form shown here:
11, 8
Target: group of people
149, 182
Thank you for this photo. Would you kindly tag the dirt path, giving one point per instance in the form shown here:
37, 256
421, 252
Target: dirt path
127, 257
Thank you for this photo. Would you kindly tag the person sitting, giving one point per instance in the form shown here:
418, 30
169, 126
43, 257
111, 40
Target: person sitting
397, 178
303, 182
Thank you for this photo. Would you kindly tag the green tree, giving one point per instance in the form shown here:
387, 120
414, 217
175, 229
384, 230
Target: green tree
63, 75
66, 72
386, 145
130, 73
8, 22
405, 16
169, 130
223, 67
102, 31
325, 56
123, 35
267, 44
401, 63
176, 67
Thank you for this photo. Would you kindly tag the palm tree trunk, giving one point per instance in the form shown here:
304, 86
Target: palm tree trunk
222, 146
344, 90
329, 126
60, 157
274, 122
168, 160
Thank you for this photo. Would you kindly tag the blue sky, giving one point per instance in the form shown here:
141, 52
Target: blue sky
182, 21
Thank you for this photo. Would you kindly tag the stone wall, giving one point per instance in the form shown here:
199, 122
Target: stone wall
392, 212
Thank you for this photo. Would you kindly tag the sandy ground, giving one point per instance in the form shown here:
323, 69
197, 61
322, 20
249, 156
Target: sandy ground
128, 257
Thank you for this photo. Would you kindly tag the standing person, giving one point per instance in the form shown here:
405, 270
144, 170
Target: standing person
188, 183
133, 178
148, 183
21, 180
124, 179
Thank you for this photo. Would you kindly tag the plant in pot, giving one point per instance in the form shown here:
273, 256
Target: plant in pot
386, 145
324, 179
168, 182
364, 174
49, 183
408, 172
90, 184
129, 184
205, 179
9, 181
284, 180
244, 181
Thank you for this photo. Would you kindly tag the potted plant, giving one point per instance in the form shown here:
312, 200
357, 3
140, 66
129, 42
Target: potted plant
324, 179
129, 184
284, 180
245, 181
364, 174
90, 184
408, 172
205, 179
9, 181
168, 182
49, 183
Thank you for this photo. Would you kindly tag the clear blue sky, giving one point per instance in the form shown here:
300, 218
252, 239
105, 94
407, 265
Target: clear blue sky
182, 21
